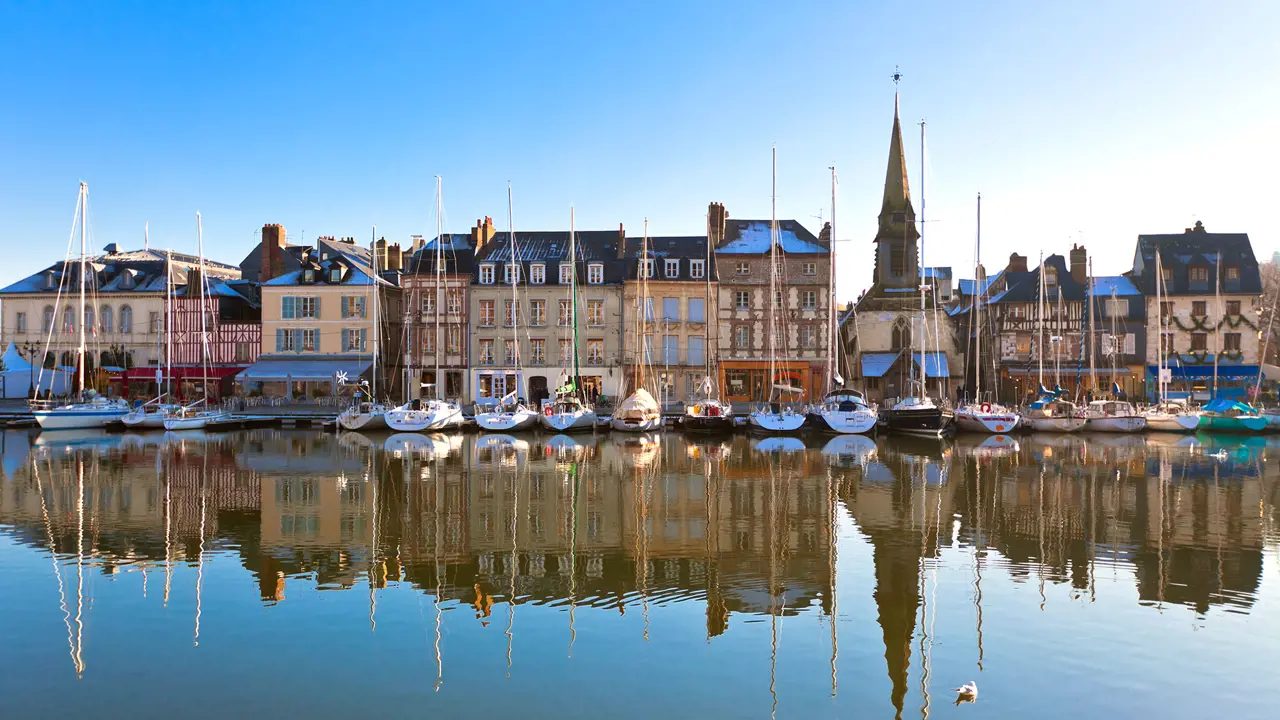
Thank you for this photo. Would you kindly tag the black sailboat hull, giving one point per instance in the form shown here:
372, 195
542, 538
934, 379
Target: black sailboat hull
932, 422
708, 424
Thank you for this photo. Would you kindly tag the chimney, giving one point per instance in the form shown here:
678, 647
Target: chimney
622, 242
1079, 261
1017, 263
380, 253
193, 281
416, 243
1199, 227
824, 237
482, 233
395, 258
717, 217
273, 244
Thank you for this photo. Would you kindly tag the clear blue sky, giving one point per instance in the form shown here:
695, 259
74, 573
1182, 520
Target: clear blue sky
1090, 121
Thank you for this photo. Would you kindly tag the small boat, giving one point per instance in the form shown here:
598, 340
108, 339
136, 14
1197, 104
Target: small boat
708, 416
846, 412
424, 416
919, 416
364, 416
188, 419
92, 412
1114, 416
776, 418
638, 413
1223, 415
568, 414
1050, 415
1273, 419
149, 416
986, 418
507, 416
1171, 416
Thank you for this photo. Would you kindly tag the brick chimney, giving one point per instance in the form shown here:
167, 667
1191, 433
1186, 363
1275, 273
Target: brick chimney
717, 217
395, 258
415, 244
482, 233
1079, 261
1017, 263
824, 237
273, 244
622, 242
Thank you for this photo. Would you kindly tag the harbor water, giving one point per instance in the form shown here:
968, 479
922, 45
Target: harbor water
296, 573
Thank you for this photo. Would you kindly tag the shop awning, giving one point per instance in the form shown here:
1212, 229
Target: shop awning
877, 364
934, 364
1206, 371
147, 373
285, 370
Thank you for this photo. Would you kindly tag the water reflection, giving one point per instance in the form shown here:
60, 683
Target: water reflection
745, 529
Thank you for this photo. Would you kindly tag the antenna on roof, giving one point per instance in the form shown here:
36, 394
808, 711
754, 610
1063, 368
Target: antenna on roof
146, 236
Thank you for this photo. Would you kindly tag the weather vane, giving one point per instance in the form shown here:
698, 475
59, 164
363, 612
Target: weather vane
897, 75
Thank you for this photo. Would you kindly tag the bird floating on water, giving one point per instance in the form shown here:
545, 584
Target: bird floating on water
1220, 455
967, 693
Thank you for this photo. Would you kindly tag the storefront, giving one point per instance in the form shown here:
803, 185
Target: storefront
295, 378
748, 381
1234, 382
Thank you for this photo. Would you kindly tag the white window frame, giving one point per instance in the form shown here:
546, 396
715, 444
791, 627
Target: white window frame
738, 299
595, 352
595, 274
810, 300
671, 267
697, 269
492, 306
486, 352
537, 312
811, 268
486, 273
566, 273
743, 268
537, 351
648, 267
508, 270
592, 320
538, 273
564, 313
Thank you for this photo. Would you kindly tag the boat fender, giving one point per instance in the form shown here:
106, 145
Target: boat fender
986, 407
547, 411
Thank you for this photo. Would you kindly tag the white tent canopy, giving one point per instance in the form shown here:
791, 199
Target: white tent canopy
19, 376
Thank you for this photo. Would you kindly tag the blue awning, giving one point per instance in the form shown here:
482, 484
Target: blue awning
935, 365
1206, 371
877, 364
316, 370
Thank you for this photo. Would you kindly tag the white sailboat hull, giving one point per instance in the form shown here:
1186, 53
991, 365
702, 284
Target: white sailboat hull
1122, 424
776, 422
980, 421
1054, 424
857, 422
73, 418
633, 424
437, 417
523, 419
373, 420
193, 422
140, 420
569, 422
1167, 422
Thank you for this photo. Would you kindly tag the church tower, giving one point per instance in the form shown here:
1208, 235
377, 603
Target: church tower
897, 249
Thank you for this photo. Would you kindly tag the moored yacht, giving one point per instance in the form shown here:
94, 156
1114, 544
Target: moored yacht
1053, 415
424, 416
1223, 415
986, 418
509, 415
846, 412
919, 416
1115, 416
567, 413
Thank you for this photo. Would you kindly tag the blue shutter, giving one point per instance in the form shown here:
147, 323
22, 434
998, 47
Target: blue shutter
297, 340
279, 339
343, 304
363, 335
315, 303
360, 306
286, 307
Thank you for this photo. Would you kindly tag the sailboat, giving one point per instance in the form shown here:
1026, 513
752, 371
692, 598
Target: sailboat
150, 415
774, 418
842, 410
189, 417
981, 416
570, 411
919, 414
708, 414
1051, 412
1112, 415
510, 414
433, 414
1167, 415
640, 411
1222, 414
90, 410
367, 412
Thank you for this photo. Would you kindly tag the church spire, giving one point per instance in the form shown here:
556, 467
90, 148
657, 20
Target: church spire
897, 193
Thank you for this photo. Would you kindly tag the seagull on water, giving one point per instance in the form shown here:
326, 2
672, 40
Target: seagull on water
967, 692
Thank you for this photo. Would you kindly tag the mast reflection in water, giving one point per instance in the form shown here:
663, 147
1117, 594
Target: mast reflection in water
636, 575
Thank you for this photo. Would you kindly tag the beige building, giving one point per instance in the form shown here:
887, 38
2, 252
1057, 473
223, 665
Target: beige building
530, 350
317, 320
124, 317
678, 340
437, 285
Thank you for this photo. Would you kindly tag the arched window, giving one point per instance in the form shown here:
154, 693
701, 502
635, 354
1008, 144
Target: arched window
48, 318
108, 324
89, 327
67, 359
68, 321
126, 319
128, 360
50, 360
108, 358
901, 334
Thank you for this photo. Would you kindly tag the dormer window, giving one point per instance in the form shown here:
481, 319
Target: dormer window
49, 280
538, 273
511, 273
1051, 276
335, 275
743, 269
308, 275
566, 273
647, 267
672, 267
486, 274
126, 282
1166, 272
697, 269
1198, 273
595, 274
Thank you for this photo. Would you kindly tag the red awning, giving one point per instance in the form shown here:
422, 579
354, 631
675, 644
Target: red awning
183, 372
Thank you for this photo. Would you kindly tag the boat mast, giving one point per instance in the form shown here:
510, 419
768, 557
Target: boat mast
773, 278
1040, 325
924, 284
1160, 391
831, 291
168, 325
515, 297
439, 258
377, 328
642, 332
706, 312
204, 331
573, 301
977, 310
1217, 292
1115, 351
84, 272
1093, 367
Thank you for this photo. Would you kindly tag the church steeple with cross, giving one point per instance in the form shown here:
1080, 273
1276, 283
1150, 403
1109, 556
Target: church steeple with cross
897, 236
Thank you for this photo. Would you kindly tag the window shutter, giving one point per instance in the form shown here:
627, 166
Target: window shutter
315, 303
344, 304
297, 340
360, 306
286, 307
364, 332
1130, 344
279, 339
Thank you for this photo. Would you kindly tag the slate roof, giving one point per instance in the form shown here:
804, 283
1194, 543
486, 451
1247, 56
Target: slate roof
751, 237
355, 261
552, 247
1181, 251
125, 272
1121, 284
683, 248
966, 286
1025, 286
455, 251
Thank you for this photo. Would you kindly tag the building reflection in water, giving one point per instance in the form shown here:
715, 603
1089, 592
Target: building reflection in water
632, 523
